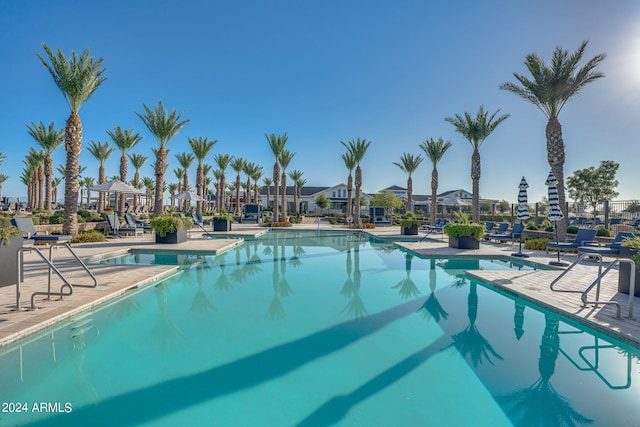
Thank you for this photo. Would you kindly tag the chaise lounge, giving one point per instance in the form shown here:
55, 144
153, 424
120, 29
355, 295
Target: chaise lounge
613, 249
584, 237
29, 232
514, 235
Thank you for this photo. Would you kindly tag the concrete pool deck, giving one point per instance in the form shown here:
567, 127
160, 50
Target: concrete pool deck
116, 280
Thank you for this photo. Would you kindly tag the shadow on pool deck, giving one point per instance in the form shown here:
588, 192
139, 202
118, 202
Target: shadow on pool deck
162, 399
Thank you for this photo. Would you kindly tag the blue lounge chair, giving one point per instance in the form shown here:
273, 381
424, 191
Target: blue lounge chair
584, 237
489, 226
512, 236
502, 229
438, 226
113, 222
32, 236
136, 223
613, 249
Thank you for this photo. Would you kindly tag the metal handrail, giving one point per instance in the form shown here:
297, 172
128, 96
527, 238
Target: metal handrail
51, 268
580, 258
84, 266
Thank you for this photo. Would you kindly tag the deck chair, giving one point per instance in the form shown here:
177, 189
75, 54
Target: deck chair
613, 249
512, 236
30, 234
116, 230
584, 237
489, 226
502, 229
136, 223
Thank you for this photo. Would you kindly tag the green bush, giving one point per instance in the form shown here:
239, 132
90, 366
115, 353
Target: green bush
57, 217
536, 244
455, 230
572, 229
603, 232
548, 228
89, 236
532, 227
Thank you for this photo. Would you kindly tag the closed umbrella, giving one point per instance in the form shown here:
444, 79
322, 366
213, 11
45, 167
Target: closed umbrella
555, 213
523, 211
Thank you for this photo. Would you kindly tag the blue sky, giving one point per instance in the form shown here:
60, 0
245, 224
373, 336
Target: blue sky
330, 71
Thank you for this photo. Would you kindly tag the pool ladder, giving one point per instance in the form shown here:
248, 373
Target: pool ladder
596, 283
65, 290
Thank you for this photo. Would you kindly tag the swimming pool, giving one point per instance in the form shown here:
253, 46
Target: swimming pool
318, 329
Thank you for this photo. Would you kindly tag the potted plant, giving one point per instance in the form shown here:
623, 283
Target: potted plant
464, 234
10, 242
409, 224
170, 228
222, 221
629, 249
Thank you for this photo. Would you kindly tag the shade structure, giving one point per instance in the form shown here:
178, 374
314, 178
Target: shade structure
555, 213
115, 187
187, 195
453, 201
523, 212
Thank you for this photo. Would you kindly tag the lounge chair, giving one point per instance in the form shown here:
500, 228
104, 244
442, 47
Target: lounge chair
584, 237
438, 226
512, 236
489, 226
612, 250
32, 236
136, 223
116, 230
502, 229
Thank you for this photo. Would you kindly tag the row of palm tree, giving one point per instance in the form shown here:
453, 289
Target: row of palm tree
79, 76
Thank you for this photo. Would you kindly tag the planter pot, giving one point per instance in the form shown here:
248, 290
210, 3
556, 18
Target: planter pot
409, 231
221, 225
179, 236
464, 243
623, 279
9, 260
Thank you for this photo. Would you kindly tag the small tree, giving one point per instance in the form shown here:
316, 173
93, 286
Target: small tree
634, 207
594, 185
387, 199
322, 201
503, 206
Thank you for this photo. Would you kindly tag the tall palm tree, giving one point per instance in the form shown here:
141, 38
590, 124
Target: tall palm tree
32, 162
435, 149
408, 164
222, 161
125, 140
358, 149
296, 177
350, 163
55, 181
206, 181
476, 130
268, 182
185, 160
77, 77
237, 164
163, 126
550, 88
255, 176
173, 188
137, 161
49, 139
101, 151
201, 148
285, 158
276, 143
87, 182
248, 170
150, 187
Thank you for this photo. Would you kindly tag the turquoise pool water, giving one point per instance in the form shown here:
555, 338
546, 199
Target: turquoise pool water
312, 330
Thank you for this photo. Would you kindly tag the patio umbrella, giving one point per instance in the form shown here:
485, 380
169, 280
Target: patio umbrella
555, 213
453, 201
187, 195
523, 212
117, 187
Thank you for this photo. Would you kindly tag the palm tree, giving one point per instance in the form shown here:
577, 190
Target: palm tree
237, 164
268, 182
101, 151
350, 163
87, 182
32, 161
49, 139
435, 151
206, 181
201, 148
137, 161
217, 174
222, 161
150, 186
163, 126
249, 168
550, 88
77, 77
276, 143
409, 164
285, 158
255, 176
358, 149
125, 140
179, 174
185, 160
173, 188
296, 177
476, 131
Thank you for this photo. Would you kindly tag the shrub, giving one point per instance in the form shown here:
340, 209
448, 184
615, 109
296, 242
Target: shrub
532, 227
536, 244
281, 224
572, 229
368, 226
295, 220
167, 223
89, 236
603, 232
456, 230
549, 228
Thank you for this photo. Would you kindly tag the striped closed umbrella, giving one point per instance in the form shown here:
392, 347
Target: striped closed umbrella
523, 210
555, 213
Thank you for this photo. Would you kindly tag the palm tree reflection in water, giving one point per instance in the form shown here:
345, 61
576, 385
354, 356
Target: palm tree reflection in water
407, 287
276, 308
166, 331
222, 283
540, 404
351, 288
201, 302
431, 307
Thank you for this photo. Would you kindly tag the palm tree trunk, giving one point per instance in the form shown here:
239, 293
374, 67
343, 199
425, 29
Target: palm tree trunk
123, 178
200, 188
73, 145
238, 194
409, 194
102, 200
161, 167
349, 195
358, 183
284, 196
276, 183
434, 195
555, 157
136, 184
48, 173
475, 178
